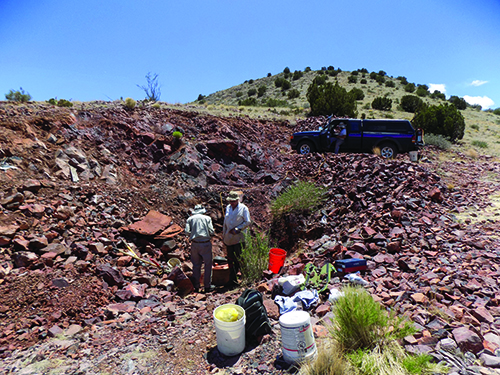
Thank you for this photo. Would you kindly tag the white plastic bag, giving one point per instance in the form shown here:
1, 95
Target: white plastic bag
356, 279
291, 283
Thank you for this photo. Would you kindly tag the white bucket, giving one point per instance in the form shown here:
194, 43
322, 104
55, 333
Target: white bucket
230, 335
413, 155
297, 339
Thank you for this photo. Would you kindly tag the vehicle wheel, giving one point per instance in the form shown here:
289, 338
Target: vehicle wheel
388, 150
305, 147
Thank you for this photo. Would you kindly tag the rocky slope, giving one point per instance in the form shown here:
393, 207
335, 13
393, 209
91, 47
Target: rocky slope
77, 183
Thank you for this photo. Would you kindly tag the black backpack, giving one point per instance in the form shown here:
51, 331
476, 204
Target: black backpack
257, 323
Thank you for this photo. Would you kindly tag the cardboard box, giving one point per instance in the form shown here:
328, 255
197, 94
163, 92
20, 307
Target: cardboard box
350, 265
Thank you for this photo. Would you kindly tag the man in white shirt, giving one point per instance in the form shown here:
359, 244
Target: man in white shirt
236, 220
200, 229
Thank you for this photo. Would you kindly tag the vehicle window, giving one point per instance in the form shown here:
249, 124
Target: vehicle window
387, 126
355, 126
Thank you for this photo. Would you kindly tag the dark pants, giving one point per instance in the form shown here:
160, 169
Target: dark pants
233, 253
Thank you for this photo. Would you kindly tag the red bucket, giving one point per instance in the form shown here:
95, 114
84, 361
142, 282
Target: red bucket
276, 259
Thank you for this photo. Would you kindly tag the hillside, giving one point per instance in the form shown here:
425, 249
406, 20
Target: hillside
480, 125
77, 183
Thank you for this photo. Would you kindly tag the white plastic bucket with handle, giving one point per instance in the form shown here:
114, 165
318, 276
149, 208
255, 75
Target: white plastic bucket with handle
413, 155
297, 339
230, 335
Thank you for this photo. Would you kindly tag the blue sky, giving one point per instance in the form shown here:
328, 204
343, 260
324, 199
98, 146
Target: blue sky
101, 50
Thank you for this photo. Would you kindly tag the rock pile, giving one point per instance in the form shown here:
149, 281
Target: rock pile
79, 186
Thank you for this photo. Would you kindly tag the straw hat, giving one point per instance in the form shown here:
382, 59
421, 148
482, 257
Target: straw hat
198, 209
233, 196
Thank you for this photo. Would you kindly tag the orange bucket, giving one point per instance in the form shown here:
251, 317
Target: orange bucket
276, 259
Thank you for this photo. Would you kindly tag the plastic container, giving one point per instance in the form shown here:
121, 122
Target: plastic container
172, 262
413, 155
276, 259
230, 335
297, 339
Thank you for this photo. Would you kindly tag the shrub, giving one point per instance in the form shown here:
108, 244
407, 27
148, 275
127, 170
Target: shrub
297, 75
460, 103
239, 94
286, 85
320, 80
352, 79
18, 96
278, 82
411, 103
301, 197
373, 75
410, 87
307, 69
438, 95
361, 323
437, 140
254, 258
422, 91
152, 88
269, 74
357, 93
354, 73
475, 126
248, 102
444, 119
332, 73
200, 97
382, 103
286, 70
363, 70
177, 134
294, 93
390, 84
403, 80
380, 79
328, 99
60, 102
363, 81
130, 103
262, 90
252, 92
497, 111
480, 144
250, 81
272, 102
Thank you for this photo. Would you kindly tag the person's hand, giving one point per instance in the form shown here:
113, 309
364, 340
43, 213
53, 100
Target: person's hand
234, 231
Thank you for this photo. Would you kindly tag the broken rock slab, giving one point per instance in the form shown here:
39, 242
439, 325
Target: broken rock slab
152, 223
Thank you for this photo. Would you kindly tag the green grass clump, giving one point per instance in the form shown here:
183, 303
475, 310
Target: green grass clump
254, 258
437, 140
480, 144
177, 134
301, 197
361, 323
363, 340
130, 103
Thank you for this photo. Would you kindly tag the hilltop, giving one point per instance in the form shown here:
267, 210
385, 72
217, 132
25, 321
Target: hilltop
274, 102
74, 181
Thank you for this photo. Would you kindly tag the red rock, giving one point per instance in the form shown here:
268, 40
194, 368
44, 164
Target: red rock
323, 309
273, 311
152, 223
482, 314
467, 340
393, 246
320, 331
419, 298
